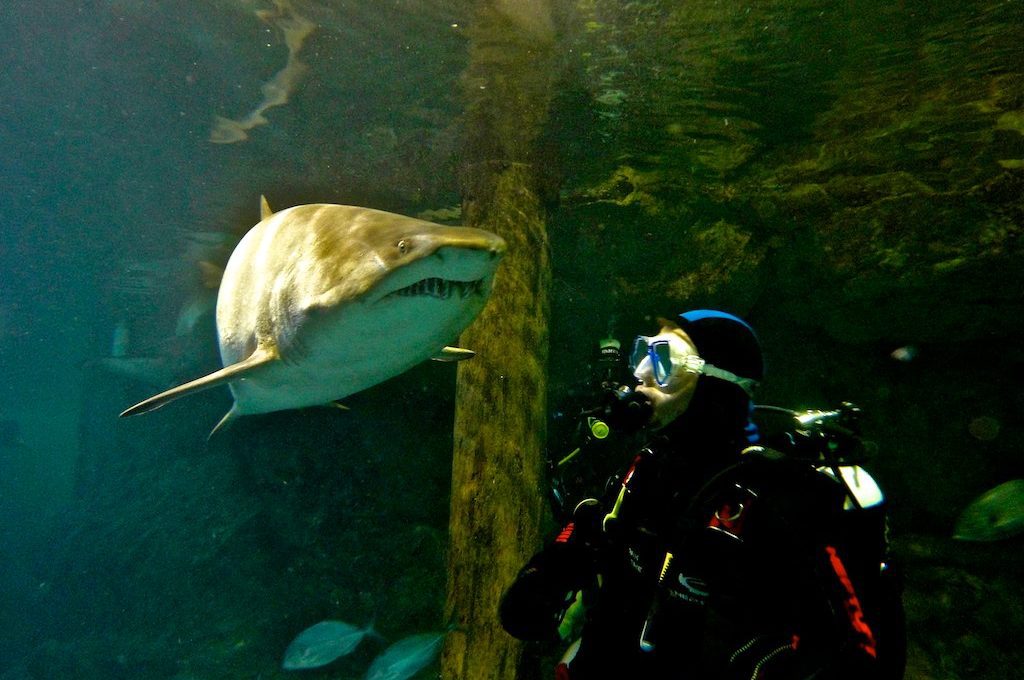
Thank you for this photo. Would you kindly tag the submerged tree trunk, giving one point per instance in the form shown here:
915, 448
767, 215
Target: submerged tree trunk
497, 493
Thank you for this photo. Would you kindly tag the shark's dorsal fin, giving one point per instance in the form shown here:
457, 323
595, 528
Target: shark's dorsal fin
265, 210
454, 354
262, 356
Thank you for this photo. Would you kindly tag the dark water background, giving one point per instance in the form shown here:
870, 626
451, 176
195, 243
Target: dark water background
136, 550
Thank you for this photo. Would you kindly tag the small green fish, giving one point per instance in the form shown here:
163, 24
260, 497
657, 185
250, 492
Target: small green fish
994, 515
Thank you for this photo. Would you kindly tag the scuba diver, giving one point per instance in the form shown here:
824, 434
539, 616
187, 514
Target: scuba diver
714, 556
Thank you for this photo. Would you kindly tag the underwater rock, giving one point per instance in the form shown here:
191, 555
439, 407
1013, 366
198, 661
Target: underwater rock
962, 608
626, 186
916, 266
611, 97
807, 198
443, 215
1011, 120
723, 257
865, 189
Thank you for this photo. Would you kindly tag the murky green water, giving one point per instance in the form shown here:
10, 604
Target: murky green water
848, 176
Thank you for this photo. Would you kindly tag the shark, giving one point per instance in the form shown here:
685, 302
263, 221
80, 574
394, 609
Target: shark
320, 301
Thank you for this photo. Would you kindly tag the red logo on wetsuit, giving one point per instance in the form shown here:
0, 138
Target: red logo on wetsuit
732, 512
566, 533
729, 518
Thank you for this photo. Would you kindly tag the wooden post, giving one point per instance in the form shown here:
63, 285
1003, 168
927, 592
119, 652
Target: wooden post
497, 495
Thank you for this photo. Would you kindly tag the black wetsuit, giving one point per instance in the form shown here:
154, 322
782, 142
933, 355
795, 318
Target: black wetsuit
743, 566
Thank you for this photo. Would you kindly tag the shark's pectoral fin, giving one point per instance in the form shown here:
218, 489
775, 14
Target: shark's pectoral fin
454, 354
261, 357
265, 210
338, 405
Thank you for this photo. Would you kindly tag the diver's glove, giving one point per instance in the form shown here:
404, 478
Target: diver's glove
533, 606
625, 410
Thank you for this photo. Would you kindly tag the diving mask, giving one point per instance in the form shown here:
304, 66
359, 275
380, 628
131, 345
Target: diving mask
657, 357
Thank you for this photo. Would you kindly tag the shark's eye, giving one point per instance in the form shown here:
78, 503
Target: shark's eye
403, 247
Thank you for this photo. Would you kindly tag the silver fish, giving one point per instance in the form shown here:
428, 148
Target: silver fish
905, 353
322, 643
406, 657
994, 515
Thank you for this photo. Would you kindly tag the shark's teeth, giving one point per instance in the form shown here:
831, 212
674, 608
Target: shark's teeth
442, 288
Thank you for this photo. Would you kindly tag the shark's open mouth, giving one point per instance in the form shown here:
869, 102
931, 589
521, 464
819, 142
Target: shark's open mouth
441, 288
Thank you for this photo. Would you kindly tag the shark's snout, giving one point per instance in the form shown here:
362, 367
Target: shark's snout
488, 253
467, 241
